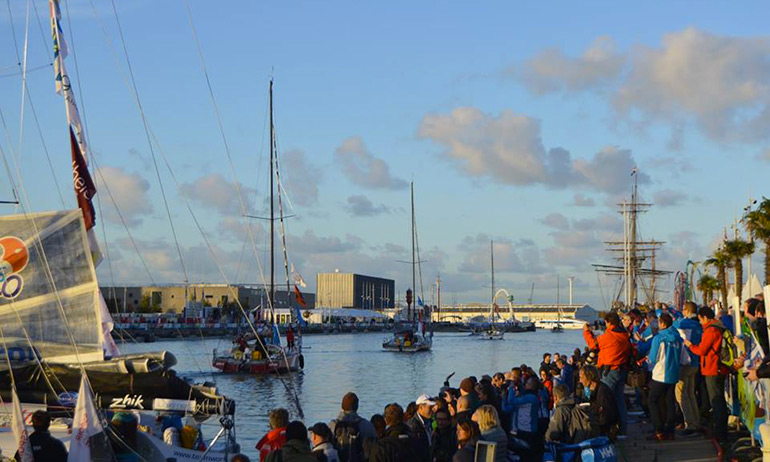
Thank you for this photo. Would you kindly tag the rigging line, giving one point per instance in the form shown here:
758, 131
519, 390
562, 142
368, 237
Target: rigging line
45, 148
122, 219
237, 184
42, 34
222, 273
31, 69
23, 86
10, 175
149, 140
13, 33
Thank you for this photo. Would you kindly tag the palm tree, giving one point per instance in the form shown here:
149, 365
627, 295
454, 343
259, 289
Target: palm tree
721, 261
737, 249
707, 284
758, 224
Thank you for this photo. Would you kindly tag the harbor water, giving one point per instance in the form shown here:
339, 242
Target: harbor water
336, 364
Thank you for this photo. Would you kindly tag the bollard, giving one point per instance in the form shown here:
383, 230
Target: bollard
764, 430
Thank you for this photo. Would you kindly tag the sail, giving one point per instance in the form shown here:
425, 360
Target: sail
49, 298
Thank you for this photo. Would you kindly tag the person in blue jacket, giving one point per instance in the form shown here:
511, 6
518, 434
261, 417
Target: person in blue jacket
566, 373
525, 407
665, 358
690, 329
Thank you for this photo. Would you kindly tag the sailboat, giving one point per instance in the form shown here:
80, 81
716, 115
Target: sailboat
557, 327
55, 326
415, 337
262, 352
492, 332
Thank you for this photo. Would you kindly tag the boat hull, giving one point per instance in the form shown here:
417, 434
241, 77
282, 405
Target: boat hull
227, 364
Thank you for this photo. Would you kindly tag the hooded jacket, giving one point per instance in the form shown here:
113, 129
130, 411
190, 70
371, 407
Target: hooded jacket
614, 347
558, 427
293, 451
708, 348
666, 356
690, 329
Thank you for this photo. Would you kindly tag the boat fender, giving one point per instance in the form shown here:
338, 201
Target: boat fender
301, 361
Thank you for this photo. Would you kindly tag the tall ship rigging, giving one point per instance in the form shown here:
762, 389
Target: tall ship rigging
639, 279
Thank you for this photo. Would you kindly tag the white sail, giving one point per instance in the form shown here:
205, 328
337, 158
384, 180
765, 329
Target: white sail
49, 295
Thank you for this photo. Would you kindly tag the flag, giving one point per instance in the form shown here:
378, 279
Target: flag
299, 297
85, 425
20, 431
108, 343
300, 319
297, 278
63, 86
419, 302
85, 189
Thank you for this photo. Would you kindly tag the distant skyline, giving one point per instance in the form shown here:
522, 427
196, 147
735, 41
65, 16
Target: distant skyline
517, 122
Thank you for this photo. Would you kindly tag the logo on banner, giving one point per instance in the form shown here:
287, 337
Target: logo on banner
14, 257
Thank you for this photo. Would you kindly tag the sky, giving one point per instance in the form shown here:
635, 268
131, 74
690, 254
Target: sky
518, 122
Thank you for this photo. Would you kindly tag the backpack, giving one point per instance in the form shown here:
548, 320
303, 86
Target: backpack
583, 424
350, 445
728, 351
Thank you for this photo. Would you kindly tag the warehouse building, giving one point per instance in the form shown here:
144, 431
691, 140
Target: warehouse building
171, 298
348, 290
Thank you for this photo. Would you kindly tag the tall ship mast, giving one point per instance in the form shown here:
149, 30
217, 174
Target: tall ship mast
635, 265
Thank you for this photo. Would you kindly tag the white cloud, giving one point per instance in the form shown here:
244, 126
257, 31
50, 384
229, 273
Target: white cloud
552, 71
521, 256
364, 169
580, 200
669, 197
129, 190
718, 82
508, 149
555, 220
302, 177
361, 206
215, 192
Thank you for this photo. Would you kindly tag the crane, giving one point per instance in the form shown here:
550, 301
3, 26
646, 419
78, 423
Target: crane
531, 293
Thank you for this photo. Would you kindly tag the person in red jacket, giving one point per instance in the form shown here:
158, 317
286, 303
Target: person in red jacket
276, 437
615, 353
713, 372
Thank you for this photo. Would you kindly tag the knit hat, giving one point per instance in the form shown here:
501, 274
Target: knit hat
350, 402
296, 430
467, 385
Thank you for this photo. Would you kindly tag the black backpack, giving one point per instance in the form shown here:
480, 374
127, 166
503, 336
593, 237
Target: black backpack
350, 444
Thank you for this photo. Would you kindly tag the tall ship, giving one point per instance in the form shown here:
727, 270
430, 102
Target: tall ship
634, 275
416, 335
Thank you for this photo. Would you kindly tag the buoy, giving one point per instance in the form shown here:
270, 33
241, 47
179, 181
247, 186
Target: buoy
301, 362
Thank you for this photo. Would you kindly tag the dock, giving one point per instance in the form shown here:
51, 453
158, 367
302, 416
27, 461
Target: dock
636, 448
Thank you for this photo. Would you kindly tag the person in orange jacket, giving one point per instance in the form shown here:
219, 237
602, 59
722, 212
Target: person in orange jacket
713, 372
615, 354
276, 437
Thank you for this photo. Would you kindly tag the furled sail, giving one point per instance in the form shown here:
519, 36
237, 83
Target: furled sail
49, 295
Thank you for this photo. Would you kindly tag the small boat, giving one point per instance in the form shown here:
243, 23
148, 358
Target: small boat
407, 342
258, 357
417, 336
557, 329
492, 334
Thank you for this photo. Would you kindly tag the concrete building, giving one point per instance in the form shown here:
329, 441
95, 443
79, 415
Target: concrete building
171, 298
348, 290
532, 313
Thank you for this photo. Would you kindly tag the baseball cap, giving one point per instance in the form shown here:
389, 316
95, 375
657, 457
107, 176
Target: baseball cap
425, 399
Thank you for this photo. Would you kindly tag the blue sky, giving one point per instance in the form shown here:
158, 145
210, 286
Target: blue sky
506, 115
